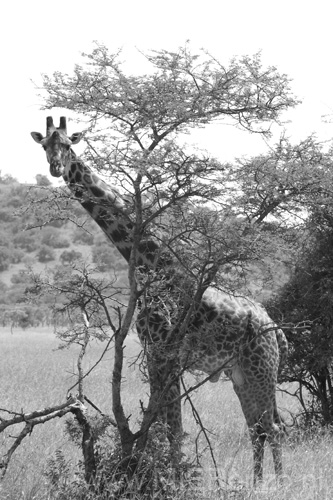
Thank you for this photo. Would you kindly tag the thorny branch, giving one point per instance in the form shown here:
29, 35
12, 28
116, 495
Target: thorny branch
73, 405
204, 431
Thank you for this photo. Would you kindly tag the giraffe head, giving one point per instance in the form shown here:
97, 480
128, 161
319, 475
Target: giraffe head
57, 145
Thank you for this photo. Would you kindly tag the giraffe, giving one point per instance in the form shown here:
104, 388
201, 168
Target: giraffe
111, 211
227, 334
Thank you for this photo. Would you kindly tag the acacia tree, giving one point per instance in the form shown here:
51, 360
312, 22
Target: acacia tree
136, 126
180, 199
287, 182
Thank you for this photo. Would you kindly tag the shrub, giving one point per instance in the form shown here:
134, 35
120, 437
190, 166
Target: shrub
18, 193
26, 241
70, 256
22, 277
83, 237
45, 254
53, 238
3, 292
5, 258
148, 475
57, 223
42, 180
6, 215
24, 317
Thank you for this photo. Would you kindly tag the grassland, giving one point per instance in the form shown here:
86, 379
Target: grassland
33, 374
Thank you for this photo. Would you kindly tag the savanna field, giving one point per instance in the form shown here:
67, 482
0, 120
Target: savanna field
35, 374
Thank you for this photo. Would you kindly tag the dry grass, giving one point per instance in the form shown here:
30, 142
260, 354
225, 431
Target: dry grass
33, 376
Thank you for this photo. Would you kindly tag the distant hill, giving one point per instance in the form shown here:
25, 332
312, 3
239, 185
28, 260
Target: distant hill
33, 238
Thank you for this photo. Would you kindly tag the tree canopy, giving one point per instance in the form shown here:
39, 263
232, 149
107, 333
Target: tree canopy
134, 128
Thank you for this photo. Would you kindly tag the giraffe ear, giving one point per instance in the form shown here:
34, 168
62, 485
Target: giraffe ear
75, 138
37, 136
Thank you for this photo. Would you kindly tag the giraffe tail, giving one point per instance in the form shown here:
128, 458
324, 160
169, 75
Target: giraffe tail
283, 348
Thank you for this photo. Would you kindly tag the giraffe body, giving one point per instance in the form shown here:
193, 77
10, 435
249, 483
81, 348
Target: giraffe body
235, 335
225, 334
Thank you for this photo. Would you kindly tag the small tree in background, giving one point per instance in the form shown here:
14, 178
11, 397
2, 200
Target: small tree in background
82, 237
53, 238
70, 256
308, 299
42, 180
45, 254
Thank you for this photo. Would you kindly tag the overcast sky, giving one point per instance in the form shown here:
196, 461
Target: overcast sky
42, 37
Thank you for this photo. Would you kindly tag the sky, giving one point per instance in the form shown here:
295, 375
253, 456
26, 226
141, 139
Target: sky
42, 37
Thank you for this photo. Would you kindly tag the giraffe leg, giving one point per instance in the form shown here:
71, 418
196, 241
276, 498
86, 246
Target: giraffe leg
259, 363
258, 439
257, 434
271, 428
264, 423
275, 440
277, 458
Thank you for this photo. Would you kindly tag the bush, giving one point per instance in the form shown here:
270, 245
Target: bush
83, 237
22, 277
17, 255
53, 238
45, 254
26, 241
5, 258
24, 317
149, 475
57, 223
18, 193
104, 257
42, 180
70, 256
3, 292
6, 215
7, 179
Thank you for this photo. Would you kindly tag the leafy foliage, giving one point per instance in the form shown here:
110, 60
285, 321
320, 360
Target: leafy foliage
28, 241
70, 256
82, 237
5, 258
286, 182
45, 254
154, 477
184, 90
53, 238
308, 298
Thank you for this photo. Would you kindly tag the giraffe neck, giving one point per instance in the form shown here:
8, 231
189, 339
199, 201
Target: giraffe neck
109, 209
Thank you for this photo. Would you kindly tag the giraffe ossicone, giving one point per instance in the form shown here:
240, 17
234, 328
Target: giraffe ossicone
227, 334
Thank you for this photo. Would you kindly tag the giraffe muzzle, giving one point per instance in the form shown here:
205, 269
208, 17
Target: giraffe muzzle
56, 168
